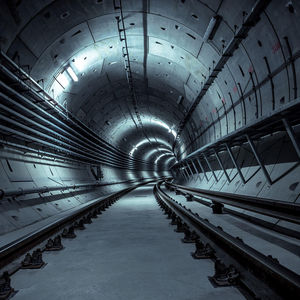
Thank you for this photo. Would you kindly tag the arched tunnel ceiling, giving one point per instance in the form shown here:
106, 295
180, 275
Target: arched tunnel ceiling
170, 61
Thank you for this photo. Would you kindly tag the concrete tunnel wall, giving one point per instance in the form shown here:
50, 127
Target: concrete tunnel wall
261, 77
267, 59
21, 172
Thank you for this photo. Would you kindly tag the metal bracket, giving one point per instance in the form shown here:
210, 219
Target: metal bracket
202, 169
235, 163
222, 165
209, 165
258, 159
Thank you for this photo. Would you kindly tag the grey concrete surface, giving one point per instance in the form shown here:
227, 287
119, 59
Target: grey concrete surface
129, 252
286, 249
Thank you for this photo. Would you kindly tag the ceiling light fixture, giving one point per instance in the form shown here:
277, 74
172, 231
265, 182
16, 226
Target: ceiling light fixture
62, 79
72, 74
212, 27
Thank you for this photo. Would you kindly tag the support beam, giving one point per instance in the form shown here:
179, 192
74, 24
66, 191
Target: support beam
202, 169
190, 169
196, 169
222, 165
258, 159
209, 165
235, 163
291, 133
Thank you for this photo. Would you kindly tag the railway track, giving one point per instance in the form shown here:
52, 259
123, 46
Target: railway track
227, 261
279, 210
53, 234
236, 263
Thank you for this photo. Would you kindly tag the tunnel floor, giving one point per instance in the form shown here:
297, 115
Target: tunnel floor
129, 252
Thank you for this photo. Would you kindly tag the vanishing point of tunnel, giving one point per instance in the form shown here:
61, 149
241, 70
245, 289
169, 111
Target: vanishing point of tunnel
149, 149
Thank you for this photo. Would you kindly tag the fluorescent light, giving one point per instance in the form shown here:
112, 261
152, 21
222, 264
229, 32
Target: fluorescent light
163, 124
212, 28
63, 79
72, 74
160, 156
147, 141
174, 133
80, 65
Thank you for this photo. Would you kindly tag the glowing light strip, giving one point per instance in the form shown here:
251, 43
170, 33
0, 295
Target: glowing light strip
159, 157
163, 124
145, 141
72, 74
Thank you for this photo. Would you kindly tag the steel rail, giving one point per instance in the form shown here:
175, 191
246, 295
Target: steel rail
273, 208
35, 99
51, 156
14, 249
256, 129
80, 154
284, 281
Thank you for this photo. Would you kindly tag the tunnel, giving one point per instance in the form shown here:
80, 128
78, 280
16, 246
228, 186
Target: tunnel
129, 117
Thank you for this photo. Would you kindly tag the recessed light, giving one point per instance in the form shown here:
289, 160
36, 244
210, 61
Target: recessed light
72, 74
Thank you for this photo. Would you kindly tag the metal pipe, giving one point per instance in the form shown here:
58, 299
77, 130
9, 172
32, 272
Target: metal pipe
73, 120
49, 100
184, 174
47, 189
57, 128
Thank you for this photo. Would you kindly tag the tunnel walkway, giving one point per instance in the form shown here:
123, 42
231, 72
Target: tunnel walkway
128, 252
